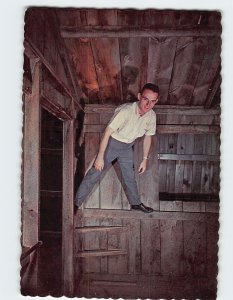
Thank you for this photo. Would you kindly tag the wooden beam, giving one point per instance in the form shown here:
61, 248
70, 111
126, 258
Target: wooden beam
29, 45
52, 105
186, 129
100, 229
185, 157
131, 214
31, 161
159, 109
136, 31
100, 253
67, 209
65, 55
31, 174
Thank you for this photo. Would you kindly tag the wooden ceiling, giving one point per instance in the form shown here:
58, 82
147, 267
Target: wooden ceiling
113, 52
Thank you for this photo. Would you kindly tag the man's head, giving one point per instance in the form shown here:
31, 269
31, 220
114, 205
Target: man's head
148, 97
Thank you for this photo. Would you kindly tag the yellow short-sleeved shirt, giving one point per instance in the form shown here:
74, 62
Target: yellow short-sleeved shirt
128, 125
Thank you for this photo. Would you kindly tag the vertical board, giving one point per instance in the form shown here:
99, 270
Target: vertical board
91, 149
108, 68
91, 241
134, 65
148, 181
161, 55
31, 162
208, 69
194, 248
171, 247
179, 175
150, 247
189, 55
67, 209
110, 190
134, 245
80, 53
117, 240
101, 17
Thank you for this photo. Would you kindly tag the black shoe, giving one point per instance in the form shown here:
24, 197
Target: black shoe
75, 209
142, 207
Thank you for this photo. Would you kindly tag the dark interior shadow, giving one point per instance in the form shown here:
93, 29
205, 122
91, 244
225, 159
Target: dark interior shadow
79, 148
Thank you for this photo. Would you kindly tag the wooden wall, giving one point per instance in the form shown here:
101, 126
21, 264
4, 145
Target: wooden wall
128, 254
172, 252
183, 164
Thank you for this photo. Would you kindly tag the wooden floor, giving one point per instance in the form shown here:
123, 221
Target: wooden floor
167, 255
146, 287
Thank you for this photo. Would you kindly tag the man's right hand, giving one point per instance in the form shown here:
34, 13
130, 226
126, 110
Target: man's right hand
99, 163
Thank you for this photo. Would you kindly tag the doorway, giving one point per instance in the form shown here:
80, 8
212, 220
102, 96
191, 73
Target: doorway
50, 229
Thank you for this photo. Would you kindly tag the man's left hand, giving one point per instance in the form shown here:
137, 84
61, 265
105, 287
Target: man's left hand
142, 166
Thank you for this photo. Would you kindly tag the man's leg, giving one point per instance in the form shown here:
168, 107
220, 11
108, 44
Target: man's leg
127, 168
92, 177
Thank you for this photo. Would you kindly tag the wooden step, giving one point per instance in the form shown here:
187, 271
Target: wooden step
99, 228
96, 253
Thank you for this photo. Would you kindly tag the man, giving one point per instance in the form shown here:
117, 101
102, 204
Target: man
130, 121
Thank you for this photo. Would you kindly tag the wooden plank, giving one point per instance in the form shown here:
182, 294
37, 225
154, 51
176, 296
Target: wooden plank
188, 157
188, 177
91, 242
133, 54
189, 55
150, 250
118, 240
214, 88
103, 243
136, 31
67, 209
194, 206
106, 56
194, 248
110, 190
179, 176
95, 253
196, 183
92, 141
187, 119
161, 54
159, 109
28, 43
102, 17
134, 248
31, 161
80, 53
124, 214
208, 70
162, 176
205, 177
185, 129
171, 247
100, 229
171, 205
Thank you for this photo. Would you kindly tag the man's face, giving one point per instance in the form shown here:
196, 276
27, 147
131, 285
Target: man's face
146, 101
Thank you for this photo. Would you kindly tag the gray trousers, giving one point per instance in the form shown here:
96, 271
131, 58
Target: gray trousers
124, 154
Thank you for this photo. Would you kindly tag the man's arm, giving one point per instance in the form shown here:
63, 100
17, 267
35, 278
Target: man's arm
146, 149
99, 162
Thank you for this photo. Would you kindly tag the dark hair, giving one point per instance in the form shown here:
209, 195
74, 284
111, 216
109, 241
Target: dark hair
150, 86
